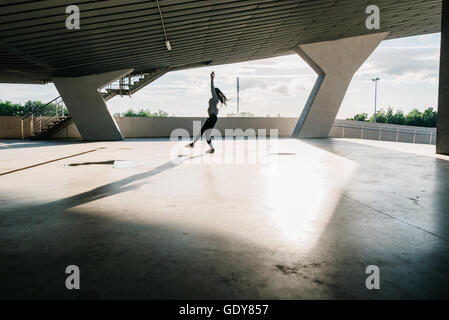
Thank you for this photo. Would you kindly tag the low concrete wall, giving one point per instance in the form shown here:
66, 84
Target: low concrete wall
144, 127
11, 127
163, 127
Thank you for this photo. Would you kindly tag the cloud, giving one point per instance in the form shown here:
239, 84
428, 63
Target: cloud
403, 65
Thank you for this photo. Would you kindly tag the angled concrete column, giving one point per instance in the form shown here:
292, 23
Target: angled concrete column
335, 62
86, 105
443, 98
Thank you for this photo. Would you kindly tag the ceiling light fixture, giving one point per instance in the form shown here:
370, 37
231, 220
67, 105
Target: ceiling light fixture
167, 43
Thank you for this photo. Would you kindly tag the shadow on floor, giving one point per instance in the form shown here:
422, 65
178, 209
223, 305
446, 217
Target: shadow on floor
20, 144
123, 260
107, 162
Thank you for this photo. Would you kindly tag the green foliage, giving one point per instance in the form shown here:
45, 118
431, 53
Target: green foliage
428, 118
389, 115
381, 117
359, 117
414, 118
143, 113
397, 118
8, 108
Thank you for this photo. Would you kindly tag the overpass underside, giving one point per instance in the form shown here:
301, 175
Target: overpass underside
119, 38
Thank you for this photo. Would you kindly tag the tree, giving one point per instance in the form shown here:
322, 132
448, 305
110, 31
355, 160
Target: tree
359, 117
381, 117
429, 118
7, 108
414, 118
398, 118
389, 115
30, 107
143, 113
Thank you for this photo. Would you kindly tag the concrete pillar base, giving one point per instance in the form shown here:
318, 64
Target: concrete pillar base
335, 62
87, 107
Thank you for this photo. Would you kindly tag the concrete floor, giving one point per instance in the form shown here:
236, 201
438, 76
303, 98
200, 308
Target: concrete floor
292, 219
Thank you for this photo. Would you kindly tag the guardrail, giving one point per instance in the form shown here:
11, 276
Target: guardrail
383, 132
43, 116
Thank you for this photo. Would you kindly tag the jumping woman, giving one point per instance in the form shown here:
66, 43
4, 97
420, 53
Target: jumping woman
217, 96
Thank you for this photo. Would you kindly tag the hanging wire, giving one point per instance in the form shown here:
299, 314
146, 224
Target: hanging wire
162, 20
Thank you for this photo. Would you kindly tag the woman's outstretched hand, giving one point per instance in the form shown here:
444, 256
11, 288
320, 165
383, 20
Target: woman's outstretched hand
212, 74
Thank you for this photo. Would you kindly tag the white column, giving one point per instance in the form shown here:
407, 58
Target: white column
87, 107
335, 62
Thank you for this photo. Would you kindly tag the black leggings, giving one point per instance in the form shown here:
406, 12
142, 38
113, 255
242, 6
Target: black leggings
209, 124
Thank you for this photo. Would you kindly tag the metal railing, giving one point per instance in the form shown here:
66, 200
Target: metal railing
124, 85
45, 116
395, 133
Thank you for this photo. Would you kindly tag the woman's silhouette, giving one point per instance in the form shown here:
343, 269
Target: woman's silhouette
217, 96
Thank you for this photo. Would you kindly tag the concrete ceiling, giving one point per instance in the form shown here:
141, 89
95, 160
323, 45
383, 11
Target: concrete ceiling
117, 34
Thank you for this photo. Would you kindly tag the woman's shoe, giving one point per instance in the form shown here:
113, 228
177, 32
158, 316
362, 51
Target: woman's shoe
190, 145
211, 150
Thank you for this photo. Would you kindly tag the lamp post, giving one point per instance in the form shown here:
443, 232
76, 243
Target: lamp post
375, 96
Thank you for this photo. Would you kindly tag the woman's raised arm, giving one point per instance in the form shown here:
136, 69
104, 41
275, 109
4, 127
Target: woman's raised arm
212, 88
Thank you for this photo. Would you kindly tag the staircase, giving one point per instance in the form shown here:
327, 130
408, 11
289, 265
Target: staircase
129, 85
53, 127
48, 119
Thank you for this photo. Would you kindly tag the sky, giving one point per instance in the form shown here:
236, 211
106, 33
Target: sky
408, 68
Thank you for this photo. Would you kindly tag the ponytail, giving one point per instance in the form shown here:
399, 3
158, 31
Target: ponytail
221, 96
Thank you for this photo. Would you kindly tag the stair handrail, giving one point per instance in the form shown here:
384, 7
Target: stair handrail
41, 110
